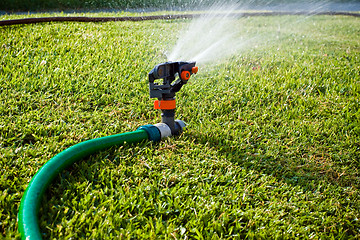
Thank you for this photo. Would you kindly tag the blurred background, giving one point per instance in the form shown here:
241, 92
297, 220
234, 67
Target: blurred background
10, 6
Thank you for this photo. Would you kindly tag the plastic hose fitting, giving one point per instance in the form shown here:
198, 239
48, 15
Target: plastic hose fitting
165, 130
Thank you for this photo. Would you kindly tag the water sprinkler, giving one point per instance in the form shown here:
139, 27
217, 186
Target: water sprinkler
165, 93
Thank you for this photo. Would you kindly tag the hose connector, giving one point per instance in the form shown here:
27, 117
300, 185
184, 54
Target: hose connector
165, 130
152, 132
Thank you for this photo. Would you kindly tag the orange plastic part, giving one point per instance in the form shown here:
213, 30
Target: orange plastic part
165, 104
185, 75
194, 70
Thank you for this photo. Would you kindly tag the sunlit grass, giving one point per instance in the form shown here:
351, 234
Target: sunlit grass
271, 150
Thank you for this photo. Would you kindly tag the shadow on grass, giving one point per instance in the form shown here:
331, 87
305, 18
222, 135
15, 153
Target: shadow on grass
302, 170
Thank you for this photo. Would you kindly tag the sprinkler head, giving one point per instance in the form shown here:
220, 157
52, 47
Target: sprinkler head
167, 72
165, 91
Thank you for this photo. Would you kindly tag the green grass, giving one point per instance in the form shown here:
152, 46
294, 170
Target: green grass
271, 150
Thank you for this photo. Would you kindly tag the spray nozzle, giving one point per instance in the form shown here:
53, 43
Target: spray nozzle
167, 72
165, 91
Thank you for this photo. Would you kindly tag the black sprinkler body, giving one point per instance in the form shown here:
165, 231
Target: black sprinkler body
165, 91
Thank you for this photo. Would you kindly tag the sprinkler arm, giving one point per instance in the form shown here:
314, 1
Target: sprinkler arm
167, 72
165, 91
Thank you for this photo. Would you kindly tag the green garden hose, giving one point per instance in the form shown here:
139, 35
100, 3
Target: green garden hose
161, 17
30, 202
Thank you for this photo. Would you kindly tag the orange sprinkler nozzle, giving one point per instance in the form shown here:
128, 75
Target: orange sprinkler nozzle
185, 75
165, 104
194, 70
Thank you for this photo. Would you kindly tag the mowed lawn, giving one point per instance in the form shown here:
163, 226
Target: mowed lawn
272, 149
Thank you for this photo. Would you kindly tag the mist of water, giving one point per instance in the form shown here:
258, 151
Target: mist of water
217, 34
209, 37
